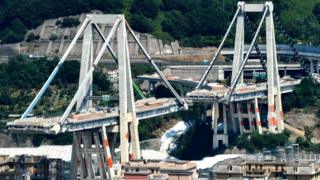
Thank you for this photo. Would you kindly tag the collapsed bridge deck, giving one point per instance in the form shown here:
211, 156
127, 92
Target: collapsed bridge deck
146, 108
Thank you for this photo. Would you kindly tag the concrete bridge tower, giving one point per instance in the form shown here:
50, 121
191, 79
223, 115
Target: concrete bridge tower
245, 115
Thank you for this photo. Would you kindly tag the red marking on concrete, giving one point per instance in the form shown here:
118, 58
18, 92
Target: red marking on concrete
105, 143
273, 121
126, 136
131, 156
258, 123
110, 162
271, 108
281, 115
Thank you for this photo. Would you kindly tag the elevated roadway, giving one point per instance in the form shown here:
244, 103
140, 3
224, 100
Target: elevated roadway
312, 52
146, 108
217, 92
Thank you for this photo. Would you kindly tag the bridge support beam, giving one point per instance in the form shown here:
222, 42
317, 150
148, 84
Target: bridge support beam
274, 95
126, 99
311, 66
219, 139
85, 64
233, 119
257, 114
251, 123
240, 118
239, 44
91, 146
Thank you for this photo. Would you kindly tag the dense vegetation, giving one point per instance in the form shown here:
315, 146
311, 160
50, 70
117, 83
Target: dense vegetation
21, 78
199, 135
258, 142
192, 22
306, 94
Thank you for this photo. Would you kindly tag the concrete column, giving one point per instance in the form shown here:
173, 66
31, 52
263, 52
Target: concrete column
225, 124
272, 122
317, 66
215, 117
107, 152
220, 73
113, 141
285, 71
86, 62
74, 161
152, 86
311, 66
100, 155
241, 127
251, 123
278, 101
134, 134
239, 45
257, 113
123, 94
78, 161
86, 137
233, 120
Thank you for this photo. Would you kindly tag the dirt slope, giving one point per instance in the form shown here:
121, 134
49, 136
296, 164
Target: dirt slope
297, 119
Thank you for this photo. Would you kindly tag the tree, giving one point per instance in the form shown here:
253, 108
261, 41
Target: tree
308, 133
31, 37
316, 11
147, 8
141, 23
304, 95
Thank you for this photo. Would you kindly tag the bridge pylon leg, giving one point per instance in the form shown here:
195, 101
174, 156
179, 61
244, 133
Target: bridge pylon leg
86, 63
251, 123
134, 134
126, 99
107, 152
240, 118
233, 119
311, 66
92, 156
239, 44
257, 114
275, 121
218, 137
317, 67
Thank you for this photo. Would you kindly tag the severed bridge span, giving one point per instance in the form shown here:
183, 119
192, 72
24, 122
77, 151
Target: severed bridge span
237, 105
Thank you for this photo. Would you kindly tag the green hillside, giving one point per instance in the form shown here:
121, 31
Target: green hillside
21, 78
192, 22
